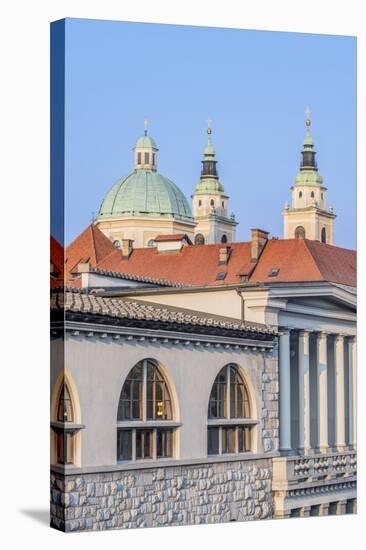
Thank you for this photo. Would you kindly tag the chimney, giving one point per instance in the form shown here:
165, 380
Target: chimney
126, 247
83, 267
224, 255
259, 239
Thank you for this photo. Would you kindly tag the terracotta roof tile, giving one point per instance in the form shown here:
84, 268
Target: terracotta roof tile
90, 246
192, 265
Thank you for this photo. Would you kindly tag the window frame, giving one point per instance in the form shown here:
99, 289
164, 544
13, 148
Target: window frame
222, 424
160, 428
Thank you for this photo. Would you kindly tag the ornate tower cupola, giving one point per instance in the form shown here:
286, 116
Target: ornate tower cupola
210, 204
146, 152
308, 217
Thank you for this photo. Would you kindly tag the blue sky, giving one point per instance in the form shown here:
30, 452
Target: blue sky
254, 85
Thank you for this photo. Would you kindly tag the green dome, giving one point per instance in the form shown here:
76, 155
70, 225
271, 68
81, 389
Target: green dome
147, 142
145, 193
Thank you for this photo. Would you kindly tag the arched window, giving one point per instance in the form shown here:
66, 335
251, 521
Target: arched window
151, 243
199, 239
138, 158
117, 244
212, 202
146, 158
144, 403
200, 203
229, 400
65, 433
312, 194
300, 194
224, 239
324, 235
300, 232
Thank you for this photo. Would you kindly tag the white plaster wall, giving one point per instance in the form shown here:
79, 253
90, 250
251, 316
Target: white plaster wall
100, 366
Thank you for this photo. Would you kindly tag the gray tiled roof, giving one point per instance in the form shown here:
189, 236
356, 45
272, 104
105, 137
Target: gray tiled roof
77, 301
134, 277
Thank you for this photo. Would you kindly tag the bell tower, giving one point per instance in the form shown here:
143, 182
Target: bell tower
308, 216
210, 203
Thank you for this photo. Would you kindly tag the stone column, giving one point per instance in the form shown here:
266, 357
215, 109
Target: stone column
340, 420
305, 512
304, 392
322, 392
324, 509
352, 385
285, 391
341, 507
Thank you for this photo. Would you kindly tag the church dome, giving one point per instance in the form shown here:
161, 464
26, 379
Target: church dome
146, 142
145, 193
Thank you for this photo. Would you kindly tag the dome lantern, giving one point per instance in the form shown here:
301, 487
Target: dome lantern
145, 152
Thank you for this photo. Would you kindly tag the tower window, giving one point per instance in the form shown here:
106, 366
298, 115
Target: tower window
200, 203
146, 158
138, 158
212, 202
322, 196
224, 239
300, 232
312, 194
324, 235
300, 194
153, 159
223, 204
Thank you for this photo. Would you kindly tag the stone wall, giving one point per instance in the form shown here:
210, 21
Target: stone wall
270, 403
171, 495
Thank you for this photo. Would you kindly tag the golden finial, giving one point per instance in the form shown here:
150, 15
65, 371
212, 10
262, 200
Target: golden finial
209, 121
146, 123
307, 112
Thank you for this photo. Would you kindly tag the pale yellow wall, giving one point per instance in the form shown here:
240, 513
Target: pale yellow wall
141, 230
312, 220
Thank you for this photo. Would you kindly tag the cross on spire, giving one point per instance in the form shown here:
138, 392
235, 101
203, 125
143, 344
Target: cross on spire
209, 121
308, 113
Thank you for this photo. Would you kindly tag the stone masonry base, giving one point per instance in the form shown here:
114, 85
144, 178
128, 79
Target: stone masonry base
171, 495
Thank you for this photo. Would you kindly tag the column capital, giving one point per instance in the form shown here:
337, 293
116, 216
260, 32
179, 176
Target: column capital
339, 337
304, 332
282, 331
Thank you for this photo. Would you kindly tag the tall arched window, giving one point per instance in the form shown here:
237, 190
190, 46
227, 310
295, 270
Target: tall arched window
229, 414
199, 239
312, 194
300, 232
64, 427
224, 239
300, 194
144, 403
324, 235
212, 202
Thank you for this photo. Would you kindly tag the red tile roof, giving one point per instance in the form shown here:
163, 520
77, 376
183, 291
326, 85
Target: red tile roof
57, 259
172, 237
298, 260
90, 246
193, 265
303, 260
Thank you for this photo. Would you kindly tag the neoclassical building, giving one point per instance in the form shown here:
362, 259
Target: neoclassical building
145, 204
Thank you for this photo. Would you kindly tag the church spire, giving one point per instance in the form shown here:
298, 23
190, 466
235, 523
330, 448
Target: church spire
308, 152
209, 161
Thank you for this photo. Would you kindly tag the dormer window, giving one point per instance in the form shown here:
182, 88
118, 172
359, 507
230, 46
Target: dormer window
146, 158
138, 158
